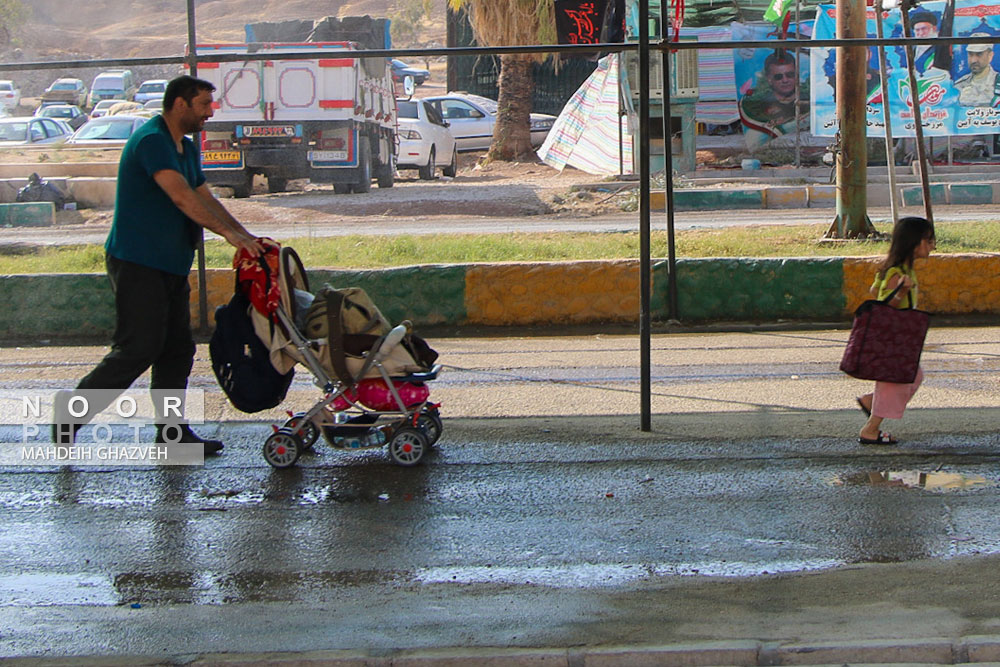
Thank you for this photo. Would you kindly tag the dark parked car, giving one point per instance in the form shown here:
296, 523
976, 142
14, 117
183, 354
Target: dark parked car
400, 70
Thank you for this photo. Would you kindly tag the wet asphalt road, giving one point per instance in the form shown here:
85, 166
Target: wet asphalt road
748, 512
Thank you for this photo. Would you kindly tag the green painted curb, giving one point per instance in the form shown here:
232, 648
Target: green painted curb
28, 214
689, 200
914, 195
755, 290
53, 305
421, 294
971, 193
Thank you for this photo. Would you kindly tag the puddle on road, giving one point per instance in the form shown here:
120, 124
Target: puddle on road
935, 481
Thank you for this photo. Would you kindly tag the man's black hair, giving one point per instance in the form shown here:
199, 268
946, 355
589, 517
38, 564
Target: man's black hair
779, 57
186, 87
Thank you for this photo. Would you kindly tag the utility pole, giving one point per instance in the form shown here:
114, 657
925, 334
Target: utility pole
852, 157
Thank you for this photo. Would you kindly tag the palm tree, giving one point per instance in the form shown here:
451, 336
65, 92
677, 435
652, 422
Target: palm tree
512, 23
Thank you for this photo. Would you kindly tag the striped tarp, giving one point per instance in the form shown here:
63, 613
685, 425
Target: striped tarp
585, 135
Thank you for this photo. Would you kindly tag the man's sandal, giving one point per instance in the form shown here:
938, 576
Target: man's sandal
882, 439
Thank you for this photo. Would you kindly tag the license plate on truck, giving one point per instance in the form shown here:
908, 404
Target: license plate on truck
268, 130
220, 156
327, 156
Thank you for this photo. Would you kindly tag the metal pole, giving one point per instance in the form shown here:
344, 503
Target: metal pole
798, 89
621, 139
918, 123
645, 341
668, 167
192, 60
890, 160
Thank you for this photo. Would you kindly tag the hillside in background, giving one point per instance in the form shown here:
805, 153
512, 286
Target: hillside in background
64, 30
116, 28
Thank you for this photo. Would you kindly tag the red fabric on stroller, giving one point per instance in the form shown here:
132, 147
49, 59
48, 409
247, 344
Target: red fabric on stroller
258, 277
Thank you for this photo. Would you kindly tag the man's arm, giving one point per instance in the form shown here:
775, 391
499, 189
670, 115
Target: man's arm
199, 205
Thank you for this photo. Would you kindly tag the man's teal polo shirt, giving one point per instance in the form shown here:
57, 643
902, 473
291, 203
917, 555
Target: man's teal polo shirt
148, 227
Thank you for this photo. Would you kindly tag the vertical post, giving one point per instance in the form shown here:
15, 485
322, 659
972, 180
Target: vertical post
852, 159
918, 128
890, 159
619, 59
192, 58
798, 86
668, 165
645, 420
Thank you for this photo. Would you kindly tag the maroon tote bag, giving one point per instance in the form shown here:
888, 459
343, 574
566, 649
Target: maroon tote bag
885, 342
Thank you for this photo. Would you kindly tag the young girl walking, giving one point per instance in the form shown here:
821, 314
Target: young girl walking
912, 238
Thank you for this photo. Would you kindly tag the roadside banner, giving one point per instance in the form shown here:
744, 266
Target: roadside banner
767, 81
957, 85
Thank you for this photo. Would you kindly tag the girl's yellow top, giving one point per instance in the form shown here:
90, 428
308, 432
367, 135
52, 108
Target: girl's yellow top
884, 289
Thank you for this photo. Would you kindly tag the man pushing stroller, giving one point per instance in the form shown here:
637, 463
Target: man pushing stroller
162, 202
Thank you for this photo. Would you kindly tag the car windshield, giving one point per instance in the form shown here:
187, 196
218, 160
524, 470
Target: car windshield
489, 105
6, 86
112, 129
57, 112
63, 86
407, 109
13, 131
151, 88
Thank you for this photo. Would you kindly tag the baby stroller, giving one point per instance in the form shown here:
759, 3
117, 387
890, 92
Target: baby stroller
373, 383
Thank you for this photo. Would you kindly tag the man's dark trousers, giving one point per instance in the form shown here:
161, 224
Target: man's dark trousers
152, 328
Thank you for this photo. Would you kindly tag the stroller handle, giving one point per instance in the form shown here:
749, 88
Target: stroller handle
391, 340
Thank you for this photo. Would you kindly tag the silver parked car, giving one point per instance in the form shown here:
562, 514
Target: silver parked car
472, 117
29, 131
107, 130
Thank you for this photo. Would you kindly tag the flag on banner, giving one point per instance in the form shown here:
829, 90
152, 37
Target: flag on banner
776, 10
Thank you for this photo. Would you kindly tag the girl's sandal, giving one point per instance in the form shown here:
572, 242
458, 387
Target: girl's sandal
882, 439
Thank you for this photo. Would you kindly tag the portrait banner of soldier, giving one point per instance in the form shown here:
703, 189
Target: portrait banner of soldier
769, 82
956, 84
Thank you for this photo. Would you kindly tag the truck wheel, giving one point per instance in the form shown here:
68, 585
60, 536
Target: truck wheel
276, 184
428, 170
364, 182
386, 176
452, 168
242, 189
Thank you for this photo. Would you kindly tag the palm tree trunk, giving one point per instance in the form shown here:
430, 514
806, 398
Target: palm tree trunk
512, 133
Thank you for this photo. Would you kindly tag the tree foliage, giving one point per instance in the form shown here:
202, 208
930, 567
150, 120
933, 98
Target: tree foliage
406, 20
512, 23
13, 13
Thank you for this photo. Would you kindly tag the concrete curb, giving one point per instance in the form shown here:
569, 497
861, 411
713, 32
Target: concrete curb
820, 196
545, 294
937, 651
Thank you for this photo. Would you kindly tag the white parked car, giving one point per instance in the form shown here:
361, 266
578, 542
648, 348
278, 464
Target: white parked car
424, 140
10, 94
101, 108
107, 130
32, 130
151, 90
472, 117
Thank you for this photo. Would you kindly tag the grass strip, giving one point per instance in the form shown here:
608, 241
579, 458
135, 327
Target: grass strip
369, 252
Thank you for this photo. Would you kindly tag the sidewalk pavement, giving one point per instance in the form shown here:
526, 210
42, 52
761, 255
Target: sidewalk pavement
723, 388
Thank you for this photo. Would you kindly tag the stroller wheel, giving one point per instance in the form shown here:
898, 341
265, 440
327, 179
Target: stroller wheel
282, 449
430, 422
408, 446
309, 434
